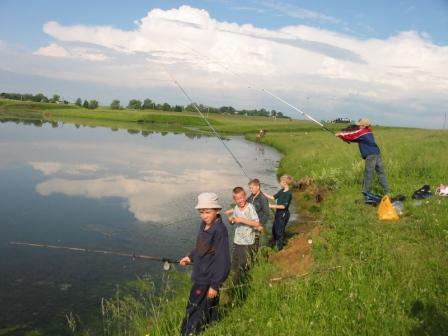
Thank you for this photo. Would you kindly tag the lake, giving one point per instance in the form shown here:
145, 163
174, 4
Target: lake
106, 189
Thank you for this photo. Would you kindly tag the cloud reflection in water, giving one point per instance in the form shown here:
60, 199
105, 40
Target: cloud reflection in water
158, 177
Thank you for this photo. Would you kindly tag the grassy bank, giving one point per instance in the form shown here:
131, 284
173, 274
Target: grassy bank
393, 276
367, 277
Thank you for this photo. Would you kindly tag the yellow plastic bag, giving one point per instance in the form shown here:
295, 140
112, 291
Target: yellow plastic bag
386, 210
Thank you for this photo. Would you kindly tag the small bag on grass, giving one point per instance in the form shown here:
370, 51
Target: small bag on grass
386, 210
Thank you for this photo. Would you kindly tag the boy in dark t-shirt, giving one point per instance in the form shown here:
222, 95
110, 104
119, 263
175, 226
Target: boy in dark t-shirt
283, 198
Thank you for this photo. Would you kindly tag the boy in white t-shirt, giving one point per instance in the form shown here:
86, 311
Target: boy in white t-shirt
247, 223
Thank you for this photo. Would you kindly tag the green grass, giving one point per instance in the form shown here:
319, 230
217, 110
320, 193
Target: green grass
147, 119
393, 278
394, 275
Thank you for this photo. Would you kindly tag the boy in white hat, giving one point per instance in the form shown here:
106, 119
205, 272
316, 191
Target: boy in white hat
370, 152
211, 265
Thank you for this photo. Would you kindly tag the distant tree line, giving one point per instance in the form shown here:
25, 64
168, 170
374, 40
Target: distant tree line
146, 104
149, 104
91, 104
38, 98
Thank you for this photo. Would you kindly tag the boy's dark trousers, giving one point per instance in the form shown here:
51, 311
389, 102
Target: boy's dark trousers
242, 258
278, 229
200, 310
374, 163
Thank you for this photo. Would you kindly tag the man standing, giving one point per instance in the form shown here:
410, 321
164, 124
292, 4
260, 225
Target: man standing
370, 152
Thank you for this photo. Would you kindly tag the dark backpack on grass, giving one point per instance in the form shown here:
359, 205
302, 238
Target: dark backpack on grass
371, 199
422, 193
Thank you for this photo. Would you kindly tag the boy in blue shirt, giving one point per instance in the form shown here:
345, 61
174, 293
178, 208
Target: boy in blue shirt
370, 152
211, 265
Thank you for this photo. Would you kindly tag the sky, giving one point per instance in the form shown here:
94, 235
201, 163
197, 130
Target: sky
384, 60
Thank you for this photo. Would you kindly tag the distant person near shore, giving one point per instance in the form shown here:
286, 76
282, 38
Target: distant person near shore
283, 199
211, 265
370, 152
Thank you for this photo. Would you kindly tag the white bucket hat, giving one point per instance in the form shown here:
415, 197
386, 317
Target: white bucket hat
208, 200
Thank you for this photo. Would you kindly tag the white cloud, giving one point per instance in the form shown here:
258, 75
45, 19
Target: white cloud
294, 61
52, 50
247, 8
55, 50
190, 40
294, 11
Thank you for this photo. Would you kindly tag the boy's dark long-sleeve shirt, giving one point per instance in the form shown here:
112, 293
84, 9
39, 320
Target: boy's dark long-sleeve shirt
211, 255
283, 198
261, 205
364, 138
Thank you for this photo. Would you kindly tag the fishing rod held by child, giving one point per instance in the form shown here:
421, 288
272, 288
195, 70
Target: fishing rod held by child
370, 152
211, 266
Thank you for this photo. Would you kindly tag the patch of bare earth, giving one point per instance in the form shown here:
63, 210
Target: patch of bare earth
296, 258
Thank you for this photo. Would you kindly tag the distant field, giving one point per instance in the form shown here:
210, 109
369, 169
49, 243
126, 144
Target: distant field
147, 119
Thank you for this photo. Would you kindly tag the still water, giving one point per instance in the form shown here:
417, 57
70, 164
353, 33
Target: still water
102, 189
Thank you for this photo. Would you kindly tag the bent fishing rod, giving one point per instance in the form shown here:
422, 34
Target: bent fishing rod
207, 122
166, 261
250, 86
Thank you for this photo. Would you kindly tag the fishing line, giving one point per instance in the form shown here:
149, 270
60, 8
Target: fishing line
251, 86
104, 252
207, 122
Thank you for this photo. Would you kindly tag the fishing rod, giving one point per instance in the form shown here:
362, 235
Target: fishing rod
250, 86
298, 110
166, 261
207, 122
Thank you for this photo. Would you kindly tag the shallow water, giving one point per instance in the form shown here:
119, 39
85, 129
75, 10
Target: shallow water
102, 189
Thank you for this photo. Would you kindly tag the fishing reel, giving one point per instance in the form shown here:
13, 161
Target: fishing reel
167, 263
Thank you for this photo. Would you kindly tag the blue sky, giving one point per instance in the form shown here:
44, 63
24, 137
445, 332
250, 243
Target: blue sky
39, 39
380, 18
